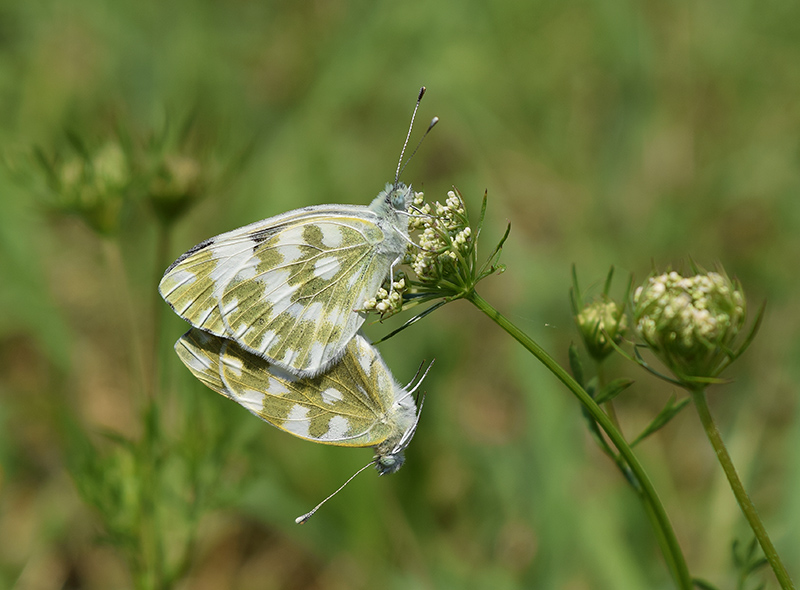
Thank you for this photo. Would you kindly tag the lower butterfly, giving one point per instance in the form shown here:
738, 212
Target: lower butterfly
357, 403
289, 288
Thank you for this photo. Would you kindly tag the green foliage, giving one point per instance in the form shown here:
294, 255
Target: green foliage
612, 389
667, 413
748, 560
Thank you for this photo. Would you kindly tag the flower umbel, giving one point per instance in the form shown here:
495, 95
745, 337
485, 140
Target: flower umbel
445, 241
445, 259
176, 182
691, 323
443, 256
598, 321
92, 184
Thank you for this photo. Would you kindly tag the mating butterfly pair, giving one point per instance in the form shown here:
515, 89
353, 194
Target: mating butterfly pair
274, 309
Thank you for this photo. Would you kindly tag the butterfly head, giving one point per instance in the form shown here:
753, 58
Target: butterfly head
399, 196
395, 197
390, 455
390, 463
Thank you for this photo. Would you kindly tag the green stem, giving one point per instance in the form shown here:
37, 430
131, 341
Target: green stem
610, 409
748, 508
652, 515
157, 338
668, 541
119, 277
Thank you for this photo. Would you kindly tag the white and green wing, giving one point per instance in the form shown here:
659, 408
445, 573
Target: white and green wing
356, 403
287, 288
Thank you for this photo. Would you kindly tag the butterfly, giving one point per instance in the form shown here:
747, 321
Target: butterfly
286, 288
357, 403
289, 288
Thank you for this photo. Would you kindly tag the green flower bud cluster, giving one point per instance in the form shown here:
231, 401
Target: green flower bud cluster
111, 169
690, 323
177, 180
598, 321
93, 186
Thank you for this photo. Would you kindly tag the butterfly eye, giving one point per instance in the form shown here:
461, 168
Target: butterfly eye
397, 200
400, 197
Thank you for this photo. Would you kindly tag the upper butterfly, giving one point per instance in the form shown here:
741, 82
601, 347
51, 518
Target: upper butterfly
289, 288
286, 288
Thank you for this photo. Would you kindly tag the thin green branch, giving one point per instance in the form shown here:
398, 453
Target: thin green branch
664, 532
746, 504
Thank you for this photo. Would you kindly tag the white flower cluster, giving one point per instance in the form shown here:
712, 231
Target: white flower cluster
445, 236
703, 305
441, 254
387, 302
421, 211
689, 318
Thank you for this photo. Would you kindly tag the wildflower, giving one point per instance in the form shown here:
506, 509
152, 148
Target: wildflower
598, 321
176, 182
443, 256
111, 168
445, 249
691, 323
92, 185
388, 302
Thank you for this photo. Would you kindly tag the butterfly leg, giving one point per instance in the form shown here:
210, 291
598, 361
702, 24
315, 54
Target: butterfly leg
395, 262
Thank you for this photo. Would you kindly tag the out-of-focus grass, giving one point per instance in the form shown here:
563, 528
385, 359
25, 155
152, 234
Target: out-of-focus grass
608, 133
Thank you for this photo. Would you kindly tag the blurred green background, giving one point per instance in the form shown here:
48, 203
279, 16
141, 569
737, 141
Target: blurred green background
634, 134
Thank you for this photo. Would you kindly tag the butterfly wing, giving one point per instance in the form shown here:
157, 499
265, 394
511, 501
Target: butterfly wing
286, 288
199, 351
353, 404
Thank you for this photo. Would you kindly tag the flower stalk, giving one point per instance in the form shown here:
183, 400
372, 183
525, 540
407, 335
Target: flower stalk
446, 267
693, 325
653, 506
746, 504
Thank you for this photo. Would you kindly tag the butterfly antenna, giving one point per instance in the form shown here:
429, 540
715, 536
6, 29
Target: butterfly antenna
400, 166
419, 143
302, 519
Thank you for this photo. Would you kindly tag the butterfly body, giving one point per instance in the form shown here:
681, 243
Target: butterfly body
288, 288
357, 403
